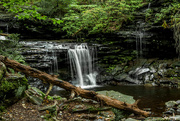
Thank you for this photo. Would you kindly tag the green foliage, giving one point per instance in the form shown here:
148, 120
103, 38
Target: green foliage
167, 11
7, 86
120, 114
14, 37
20, 91
11, 90
99, 18
10, 48
41, 12
111, 68
54, 8
2, 109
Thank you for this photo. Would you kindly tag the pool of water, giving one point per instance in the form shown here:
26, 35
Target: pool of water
150, 97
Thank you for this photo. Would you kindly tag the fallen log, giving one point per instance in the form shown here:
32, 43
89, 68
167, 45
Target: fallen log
3, 34
27, 70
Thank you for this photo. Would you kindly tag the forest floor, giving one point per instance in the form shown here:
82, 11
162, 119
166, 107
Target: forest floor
24, 110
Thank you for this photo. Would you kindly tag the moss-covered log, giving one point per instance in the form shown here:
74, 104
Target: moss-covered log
69, 87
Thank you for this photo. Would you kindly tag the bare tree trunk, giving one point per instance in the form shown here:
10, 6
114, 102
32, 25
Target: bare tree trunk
27, 70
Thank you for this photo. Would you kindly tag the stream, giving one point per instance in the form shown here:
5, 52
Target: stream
151, 98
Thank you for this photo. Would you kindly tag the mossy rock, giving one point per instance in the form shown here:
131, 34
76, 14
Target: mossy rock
12, 83
170, 73
36, 96
12, 89
117, 95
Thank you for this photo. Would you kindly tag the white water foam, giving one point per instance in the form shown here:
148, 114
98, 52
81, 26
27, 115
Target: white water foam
82, 71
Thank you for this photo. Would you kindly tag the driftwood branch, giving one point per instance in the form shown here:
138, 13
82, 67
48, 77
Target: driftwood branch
27, 70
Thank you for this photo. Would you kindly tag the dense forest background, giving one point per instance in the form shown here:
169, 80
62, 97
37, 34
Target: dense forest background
98, 21
80, 18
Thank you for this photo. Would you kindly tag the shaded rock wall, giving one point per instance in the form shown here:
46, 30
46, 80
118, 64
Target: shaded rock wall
151, 72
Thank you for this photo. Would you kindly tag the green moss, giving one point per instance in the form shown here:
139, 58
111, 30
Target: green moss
120, 114
2, 108
11, 90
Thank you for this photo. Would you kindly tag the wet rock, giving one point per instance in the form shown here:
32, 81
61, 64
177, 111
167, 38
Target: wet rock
176, 64
170, 104
51, 107
34, 99
118, 96
168, 112
85, 109
178, 102
173, 82
133, 80
121, 77
106, 77
156, 119
35, 95
178, 111
176, 118
129, 119
152, 69
161, 72
148, 85
151, 77
178, 106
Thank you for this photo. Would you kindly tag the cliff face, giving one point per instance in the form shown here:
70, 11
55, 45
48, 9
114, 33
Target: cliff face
143, 37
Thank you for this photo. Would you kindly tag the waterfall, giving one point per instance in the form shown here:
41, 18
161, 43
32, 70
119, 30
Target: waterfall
140, 35
139, 38
52, 57
149, 5
69, 60
7, 28
81, 64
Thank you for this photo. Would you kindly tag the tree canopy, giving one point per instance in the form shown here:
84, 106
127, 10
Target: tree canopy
85, 17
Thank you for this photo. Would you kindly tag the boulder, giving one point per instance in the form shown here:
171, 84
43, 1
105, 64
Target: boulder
170, 104
119, 96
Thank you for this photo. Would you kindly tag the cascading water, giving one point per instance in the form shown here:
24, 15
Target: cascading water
52, 57
149, 5
82, 71
139, 38
7, 29
140, 34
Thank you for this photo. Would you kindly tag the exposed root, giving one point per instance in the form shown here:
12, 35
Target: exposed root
73, 94
49, 89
